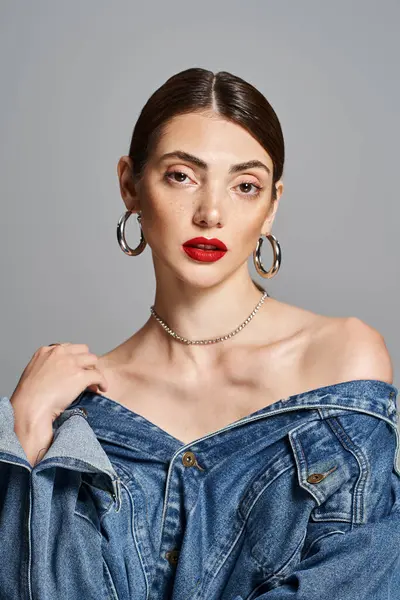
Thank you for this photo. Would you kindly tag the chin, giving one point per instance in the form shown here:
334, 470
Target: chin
200, 280
196, 274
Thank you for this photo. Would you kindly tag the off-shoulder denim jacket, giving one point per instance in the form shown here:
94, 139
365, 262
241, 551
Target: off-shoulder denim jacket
297, 501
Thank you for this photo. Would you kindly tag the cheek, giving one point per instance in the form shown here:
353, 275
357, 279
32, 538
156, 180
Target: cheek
249, 244
249, 231
165, 201
164, 215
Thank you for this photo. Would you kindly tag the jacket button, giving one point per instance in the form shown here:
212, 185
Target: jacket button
172, 556
188, 459
315, 477
83, 410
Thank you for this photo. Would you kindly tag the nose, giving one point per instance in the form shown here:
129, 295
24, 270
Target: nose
208, 212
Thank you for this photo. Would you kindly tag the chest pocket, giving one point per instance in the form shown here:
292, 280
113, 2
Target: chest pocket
331, 468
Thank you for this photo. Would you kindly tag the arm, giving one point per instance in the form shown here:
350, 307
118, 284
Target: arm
350, 548
34, 435
358, 560
362, 564
46, 551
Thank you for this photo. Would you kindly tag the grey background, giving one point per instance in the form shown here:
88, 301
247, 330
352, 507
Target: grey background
74, 77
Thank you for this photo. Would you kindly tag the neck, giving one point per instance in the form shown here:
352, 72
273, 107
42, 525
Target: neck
199, 313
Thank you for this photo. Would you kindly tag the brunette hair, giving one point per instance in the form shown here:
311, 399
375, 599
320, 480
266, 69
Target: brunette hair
200, 90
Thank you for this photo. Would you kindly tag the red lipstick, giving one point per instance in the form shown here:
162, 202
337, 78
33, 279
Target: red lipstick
195, 249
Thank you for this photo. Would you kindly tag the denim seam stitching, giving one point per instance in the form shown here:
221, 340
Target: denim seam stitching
79, 514
289, 467
321, 537
29, 523
318, 496
248, 506
210, 573
364, 468
110, 583
141, 559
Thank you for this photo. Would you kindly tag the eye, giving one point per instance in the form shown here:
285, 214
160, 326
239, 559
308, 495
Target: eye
180, 177
171, 176
249, 185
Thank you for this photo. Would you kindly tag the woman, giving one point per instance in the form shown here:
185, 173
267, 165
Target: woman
235, 447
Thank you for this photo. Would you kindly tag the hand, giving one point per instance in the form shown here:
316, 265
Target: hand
53, 378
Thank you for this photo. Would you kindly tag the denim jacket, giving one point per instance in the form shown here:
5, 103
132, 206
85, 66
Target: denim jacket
299, 500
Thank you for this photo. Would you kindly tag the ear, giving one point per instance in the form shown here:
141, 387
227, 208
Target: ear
267, 225
127, 184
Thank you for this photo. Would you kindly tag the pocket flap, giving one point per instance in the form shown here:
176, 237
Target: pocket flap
325, 468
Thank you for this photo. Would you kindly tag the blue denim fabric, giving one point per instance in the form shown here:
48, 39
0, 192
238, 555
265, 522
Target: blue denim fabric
297, 501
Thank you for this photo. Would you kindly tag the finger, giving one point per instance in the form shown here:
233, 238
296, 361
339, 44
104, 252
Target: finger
95, 377
86, 359
74, 348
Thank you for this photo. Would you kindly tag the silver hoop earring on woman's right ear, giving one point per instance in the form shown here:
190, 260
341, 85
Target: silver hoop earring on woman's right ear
121, 235
277, 257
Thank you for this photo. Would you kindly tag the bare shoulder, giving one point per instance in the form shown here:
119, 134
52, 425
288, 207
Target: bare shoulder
368, 352
352, 348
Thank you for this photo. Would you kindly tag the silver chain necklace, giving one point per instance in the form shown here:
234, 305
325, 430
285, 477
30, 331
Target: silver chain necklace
212, 341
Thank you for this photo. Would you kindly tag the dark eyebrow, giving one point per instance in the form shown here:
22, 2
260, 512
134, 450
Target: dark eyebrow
203, 165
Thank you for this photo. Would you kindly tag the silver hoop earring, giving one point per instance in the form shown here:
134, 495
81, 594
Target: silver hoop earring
277, 257
121, 235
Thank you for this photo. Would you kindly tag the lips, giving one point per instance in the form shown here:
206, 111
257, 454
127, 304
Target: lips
205, 250
206, 244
